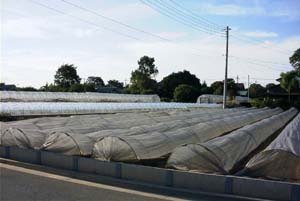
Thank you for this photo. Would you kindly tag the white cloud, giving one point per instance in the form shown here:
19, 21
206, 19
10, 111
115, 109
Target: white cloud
172, 35
231, 10
287, 9
261, 34
132, 11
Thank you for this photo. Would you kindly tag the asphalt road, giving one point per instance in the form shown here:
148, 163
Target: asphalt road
19, 183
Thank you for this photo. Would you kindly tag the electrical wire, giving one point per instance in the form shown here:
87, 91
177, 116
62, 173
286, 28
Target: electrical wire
84, 20
188, 18
176, 18
114, 20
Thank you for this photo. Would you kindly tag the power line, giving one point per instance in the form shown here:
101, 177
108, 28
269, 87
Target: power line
198, 17
115, 21
126, 25
261, 61
259, 64
187, 17
83, 20
255, 41
117, 32
176, 18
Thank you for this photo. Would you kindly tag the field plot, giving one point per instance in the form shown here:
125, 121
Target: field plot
186, 137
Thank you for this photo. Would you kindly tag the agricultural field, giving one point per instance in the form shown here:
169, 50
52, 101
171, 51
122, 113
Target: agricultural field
239, 141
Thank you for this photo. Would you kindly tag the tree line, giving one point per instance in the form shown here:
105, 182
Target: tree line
182, 86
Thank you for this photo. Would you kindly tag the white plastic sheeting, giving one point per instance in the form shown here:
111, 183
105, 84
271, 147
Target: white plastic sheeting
28, 96
155, 145
32, 133
211, 98
281, 159
79, 144
63, 108
221, 154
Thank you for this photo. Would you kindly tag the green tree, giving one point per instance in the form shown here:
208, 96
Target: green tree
115, 83
147, 66
205, 89
295, 59
256, 90
170, 82
217, 87
231, 87
142, 78
96, 81
270, 85
289, 81
66, 75
186, 93
26, 89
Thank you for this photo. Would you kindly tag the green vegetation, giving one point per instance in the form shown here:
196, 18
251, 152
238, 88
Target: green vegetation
186, 93
182, 86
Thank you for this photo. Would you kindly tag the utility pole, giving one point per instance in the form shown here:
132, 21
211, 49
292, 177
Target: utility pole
248, 88
226, 69
237, 79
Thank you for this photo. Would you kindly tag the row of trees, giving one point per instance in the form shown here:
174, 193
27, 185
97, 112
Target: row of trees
67, 79
181, 86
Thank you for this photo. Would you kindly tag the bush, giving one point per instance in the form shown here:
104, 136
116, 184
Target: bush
272, 103
76, 88
186, 93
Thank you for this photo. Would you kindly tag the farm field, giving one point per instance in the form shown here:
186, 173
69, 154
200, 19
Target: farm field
205, 140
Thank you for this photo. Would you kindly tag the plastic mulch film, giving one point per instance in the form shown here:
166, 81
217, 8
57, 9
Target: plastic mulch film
156, 145
221, 154
27, 96
281, 159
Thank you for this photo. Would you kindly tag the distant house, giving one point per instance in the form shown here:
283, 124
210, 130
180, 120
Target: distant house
241, 90
240, 86
278, 92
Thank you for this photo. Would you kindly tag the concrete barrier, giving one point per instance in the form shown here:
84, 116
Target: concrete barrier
58, 160
87, 165
2, 151
263, 189
201, 182
108, 169
232, 185
144, 174
29, 156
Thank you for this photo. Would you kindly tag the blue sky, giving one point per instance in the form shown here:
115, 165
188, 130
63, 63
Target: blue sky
35, 40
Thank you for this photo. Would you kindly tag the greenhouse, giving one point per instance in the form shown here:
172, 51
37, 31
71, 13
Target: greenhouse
28, 96
67, 108
211, 98
281, 159
221, 154
156, 145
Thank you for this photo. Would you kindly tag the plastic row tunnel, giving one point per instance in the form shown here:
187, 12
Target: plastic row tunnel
281, 159
156, 145
32, 133
53, 141
222, 154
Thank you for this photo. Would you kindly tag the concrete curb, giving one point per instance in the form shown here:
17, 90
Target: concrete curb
222, 184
